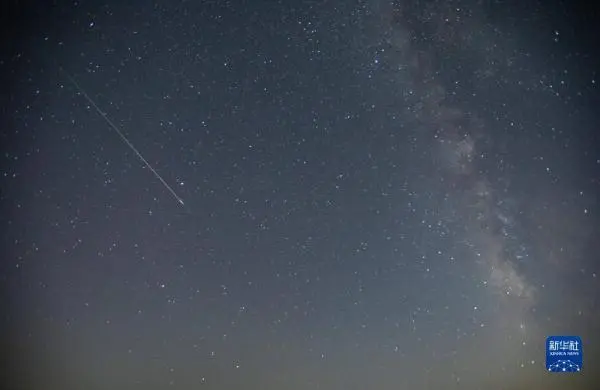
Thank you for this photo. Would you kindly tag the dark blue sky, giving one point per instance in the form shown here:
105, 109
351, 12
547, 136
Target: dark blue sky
377, 195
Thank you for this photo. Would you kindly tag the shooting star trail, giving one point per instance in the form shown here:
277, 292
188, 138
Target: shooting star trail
115, 128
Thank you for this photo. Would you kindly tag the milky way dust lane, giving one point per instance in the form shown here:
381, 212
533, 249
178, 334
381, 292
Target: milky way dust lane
115, 128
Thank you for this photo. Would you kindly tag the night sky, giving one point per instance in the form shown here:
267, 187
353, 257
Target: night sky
376, 194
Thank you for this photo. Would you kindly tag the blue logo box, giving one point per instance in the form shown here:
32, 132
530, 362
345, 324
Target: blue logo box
564, 354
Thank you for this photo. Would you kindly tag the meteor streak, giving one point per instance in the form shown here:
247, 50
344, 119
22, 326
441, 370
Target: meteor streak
115, 128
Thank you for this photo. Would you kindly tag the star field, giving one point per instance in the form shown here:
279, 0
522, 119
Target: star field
375, 195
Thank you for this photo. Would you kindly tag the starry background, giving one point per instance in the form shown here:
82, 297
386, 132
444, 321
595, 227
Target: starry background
381, 195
